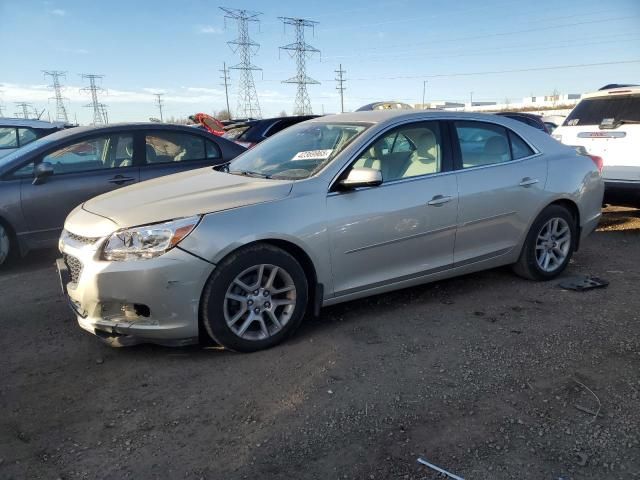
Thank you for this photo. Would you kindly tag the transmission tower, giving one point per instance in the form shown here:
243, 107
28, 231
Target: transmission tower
105, 114
61, 110
301, 50
248, 105
99, 116
225, 80
340, 87
159, 104
23, 111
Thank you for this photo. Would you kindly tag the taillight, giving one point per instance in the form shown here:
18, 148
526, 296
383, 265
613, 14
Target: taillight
598, 161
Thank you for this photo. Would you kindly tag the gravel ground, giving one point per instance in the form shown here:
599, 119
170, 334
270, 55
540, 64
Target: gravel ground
487, 375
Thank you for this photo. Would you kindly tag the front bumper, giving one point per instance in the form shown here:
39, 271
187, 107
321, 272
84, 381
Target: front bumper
130, 302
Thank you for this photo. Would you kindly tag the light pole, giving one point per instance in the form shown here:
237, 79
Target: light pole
424, 90
470, 99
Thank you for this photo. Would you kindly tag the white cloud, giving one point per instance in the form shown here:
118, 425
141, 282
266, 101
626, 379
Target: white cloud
210, 91
153, 91
208, 30
58, 12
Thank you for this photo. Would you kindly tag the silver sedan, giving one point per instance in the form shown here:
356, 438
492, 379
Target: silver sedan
332, 209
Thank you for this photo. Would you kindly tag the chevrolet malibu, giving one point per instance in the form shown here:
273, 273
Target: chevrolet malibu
329, 210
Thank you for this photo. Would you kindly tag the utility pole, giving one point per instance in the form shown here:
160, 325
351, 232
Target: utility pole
61, 110
470, 99
300, 49
225, 79
159, 103
248, 105
99, 109
424, 91
340, 87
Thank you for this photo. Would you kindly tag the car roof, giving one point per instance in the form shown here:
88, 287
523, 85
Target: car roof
391, 116
617, 90
522, 114
22, 122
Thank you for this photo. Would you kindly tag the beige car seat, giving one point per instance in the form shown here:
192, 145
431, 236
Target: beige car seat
426, 158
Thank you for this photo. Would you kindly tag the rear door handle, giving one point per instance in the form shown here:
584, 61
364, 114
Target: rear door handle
439, 200
528, 181
120, 179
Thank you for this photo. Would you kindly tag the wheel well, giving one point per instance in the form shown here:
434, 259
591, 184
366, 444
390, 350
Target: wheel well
575, 213
305, 262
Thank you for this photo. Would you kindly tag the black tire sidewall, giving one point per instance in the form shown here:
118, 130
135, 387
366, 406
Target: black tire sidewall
5, 258
216, 289
529, 253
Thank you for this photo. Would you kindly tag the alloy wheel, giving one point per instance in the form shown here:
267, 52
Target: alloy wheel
259, 302
553, 244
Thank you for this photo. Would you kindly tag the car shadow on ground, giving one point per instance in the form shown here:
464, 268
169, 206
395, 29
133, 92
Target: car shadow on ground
35, 260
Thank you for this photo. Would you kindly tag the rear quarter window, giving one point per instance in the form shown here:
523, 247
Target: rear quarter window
592, 111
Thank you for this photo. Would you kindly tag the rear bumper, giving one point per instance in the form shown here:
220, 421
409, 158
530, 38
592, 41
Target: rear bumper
622, 192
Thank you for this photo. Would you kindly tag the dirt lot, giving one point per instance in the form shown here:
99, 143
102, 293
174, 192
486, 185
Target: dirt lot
480, 375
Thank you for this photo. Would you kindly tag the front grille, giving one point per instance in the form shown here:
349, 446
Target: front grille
74, 265
79, 238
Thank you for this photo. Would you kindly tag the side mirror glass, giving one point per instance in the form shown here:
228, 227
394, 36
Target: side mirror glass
362, 177
41, 172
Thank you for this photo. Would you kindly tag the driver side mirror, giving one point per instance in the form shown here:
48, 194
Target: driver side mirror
362, 177
41, 172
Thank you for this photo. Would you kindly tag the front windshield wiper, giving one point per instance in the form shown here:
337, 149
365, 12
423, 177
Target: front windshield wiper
249, 173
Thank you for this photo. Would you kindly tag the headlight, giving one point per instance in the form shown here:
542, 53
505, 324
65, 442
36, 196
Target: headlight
147, 241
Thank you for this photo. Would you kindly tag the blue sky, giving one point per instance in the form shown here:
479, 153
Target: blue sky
387, 48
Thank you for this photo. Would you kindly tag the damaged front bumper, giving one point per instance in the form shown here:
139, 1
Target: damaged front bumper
131, 302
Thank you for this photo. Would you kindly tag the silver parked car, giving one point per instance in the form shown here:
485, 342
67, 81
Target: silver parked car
329, 210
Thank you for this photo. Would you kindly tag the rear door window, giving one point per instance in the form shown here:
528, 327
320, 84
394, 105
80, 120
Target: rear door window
26, 135
482, 143
592, 111
168, 147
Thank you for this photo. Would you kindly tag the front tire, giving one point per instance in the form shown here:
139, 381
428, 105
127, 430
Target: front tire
254, 299
549, 245
5, 245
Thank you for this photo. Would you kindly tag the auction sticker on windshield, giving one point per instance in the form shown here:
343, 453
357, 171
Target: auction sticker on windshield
313, 155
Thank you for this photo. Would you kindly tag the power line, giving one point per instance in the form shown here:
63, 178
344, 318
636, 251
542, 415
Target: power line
159, 104
99, 109
248, 104
61, 110
340, 87
225, 79
300, 50
487, 35
494, 72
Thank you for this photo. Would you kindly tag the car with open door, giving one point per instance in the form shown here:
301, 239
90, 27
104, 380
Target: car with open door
43, 181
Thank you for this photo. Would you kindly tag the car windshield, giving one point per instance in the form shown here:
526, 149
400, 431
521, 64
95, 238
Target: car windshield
298, 152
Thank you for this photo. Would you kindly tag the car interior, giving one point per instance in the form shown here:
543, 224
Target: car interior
404, 154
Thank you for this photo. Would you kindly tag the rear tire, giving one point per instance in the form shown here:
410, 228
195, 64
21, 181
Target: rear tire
254, 299
549, 245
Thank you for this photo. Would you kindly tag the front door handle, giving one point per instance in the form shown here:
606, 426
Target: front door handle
120, 179
528, 181
439, 200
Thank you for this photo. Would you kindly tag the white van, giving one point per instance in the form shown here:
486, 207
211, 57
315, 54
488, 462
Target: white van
607, 124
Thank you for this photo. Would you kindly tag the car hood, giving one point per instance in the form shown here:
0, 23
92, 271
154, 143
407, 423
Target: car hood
183, 195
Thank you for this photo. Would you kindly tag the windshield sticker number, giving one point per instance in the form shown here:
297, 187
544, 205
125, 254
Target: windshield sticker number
313, 155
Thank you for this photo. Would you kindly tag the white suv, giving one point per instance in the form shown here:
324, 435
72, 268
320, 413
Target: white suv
607, 124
